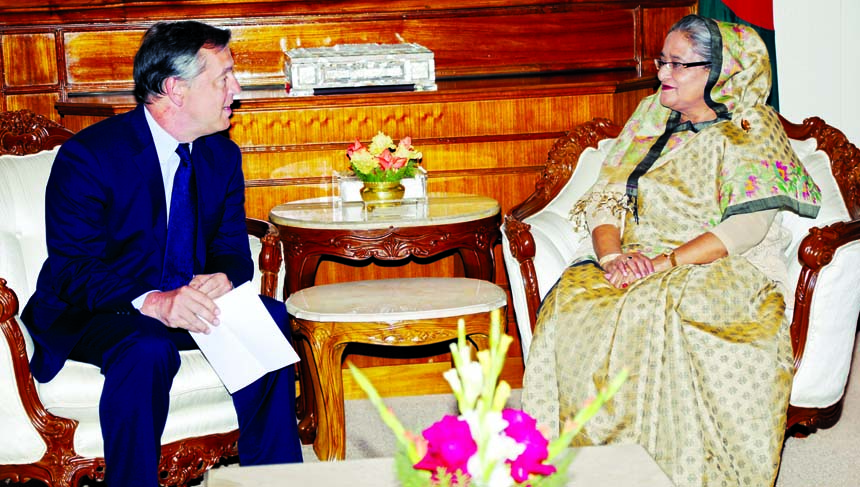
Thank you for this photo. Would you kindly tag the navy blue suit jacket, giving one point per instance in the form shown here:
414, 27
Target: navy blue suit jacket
106, 226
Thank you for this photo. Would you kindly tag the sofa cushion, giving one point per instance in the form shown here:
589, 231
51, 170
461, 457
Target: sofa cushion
22, 219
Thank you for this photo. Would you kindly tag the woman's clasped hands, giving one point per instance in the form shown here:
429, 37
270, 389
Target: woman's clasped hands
625, 268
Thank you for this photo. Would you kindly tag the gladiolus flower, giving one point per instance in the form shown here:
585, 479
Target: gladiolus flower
523, 429
449, 445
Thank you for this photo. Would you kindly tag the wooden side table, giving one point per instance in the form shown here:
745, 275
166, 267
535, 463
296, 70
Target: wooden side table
402, 312
427, 227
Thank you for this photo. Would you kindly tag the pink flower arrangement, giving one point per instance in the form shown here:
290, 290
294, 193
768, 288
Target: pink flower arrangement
487, 445
382, 160
449, 445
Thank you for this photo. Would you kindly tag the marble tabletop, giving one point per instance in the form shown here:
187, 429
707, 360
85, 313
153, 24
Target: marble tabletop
331, 213
397, 300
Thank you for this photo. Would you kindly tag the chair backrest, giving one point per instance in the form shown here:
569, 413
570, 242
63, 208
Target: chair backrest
28, 145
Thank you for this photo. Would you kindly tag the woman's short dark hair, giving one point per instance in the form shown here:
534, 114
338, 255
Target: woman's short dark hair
172, 49
695, 29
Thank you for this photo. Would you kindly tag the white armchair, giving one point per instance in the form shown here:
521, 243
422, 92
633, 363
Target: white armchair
539, 243
50, 432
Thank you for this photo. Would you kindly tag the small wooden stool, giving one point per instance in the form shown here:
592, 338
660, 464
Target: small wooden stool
393, 312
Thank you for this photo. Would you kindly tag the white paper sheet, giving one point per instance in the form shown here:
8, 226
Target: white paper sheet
247, 343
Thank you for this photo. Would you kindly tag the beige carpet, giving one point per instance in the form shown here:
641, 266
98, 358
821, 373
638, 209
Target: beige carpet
826, 458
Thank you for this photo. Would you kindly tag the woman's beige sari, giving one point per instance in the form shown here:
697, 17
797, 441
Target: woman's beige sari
707, 346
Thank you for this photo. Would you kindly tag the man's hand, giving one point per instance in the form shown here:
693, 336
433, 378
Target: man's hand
212, 285
182, 308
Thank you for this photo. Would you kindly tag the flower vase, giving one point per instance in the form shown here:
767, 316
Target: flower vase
382, 193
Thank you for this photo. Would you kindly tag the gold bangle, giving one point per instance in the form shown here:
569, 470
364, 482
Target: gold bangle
670, 254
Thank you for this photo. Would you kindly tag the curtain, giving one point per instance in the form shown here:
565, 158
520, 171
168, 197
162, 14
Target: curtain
756, 13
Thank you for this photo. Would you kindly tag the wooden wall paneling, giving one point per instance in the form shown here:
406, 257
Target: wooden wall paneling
36, 12
100, 60
29, 60
655, 25
41, 103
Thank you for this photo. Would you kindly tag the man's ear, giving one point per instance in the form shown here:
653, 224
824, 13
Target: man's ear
175, 89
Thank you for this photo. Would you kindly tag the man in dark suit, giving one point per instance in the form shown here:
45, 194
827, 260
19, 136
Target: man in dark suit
145, 228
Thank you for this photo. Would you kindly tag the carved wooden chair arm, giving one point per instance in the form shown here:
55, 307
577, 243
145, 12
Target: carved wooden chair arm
562, 160
816, 251
58, 433
271, 257
521, 244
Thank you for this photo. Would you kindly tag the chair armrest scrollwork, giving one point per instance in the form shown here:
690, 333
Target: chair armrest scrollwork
271, 257
56, 432
816, 251
561, 162
844, 156
522, 246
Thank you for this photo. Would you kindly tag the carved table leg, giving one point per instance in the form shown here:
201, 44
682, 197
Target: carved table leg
301, 273
305, 404
478, 264
330, 442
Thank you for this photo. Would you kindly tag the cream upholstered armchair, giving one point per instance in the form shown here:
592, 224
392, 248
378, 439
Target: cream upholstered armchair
50, 432
539, 242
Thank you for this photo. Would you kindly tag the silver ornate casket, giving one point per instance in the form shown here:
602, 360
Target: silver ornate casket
406, 66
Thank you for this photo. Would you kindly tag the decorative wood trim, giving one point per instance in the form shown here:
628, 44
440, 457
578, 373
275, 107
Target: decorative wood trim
800, 422
271, 255
24, 132
844, 157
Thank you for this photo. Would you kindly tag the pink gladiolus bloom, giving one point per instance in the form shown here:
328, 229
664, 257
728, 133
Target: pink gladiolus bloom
523, 429
387, 161
449, 445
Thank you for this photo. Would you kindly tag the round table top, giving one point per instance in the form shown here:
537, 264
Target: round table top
329, 213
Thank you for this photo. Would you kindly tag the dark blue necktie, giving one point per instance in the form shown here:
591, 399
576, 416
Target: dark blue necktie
179, 255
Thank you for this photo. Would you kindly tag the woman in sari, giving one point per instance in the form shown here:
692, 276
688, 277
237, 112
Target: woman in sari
683, 280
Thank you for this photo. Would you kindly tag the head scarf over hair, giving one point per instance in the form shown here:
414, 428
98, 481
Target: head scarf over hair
757, 169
